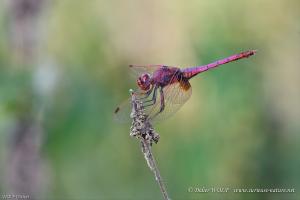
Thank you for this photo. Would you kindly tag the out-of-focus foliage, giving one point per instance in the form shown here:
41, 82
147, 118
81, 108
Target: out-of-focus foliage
240, 129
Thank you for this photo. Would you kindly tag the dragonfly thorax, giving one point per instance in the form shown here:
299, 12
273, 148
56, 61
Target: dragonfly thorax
144, 81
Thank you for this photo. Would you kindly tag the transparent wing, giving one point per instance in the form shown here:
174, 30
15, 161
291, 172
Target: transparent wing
137, 70
175, 95
122, 112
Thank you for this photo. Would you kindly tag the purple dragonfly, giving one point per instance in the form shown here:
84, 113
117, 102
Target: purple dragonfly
164, 89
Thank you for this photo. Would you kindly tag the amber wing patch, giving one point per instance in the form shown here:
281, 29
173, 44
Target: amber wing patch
185, 85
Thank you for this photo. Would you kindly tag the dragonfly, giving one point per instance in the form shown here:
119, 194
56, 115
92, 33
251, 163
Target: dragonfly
163, 89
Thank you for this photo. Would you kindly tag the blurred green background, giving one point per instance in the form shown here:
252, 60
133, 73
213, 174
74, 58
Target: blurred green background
63, 69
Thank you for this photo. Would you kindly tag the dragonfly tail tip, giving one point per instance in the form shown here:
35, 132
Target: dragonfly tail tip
249, 53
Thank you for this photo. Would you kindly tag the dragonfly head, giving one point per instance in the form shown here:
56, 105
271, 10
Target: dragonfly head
144, 81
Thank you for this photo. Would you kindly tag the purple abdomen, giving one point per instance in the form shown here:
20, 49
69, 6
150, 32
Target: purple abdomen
193, 71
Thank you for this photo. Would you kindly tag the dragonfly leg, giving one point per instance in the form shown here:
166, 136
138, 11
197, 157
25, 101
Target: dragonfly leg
147, 94
162, 100
153, 100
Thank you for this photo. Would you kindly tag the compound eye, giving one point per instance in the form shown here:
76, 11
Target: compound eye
145, 77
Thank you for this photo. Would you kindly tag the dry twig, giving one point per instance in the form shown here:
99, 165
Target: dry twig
142, 129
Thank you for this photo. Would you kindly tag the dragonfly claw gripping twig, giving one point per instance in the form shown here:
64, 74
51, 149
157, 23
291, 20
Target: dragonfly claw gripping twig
142, 129
141, 126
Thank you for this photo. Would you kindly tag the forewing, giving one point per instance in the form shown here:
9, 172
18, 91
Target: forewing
122, 112
137, 70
